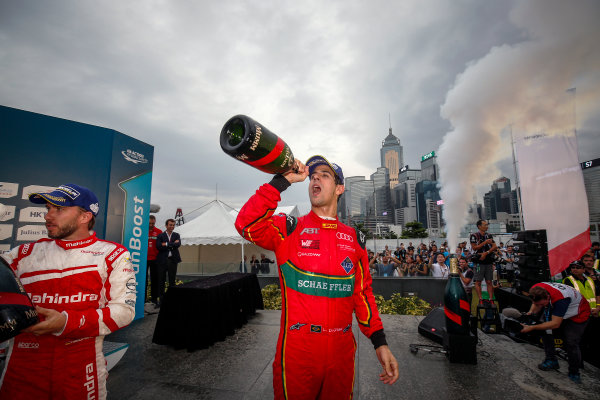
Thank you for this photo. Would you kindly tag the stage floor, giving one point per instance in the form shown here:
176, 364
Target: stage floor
240, 367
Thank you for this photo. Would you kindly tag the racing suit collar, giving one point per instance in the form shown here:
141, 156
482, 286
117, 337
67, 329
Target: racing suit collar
77, 244
321, 220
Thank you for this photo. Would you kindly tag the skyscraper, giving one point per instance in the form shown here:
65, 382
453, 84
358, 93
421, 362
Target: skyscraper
392, 156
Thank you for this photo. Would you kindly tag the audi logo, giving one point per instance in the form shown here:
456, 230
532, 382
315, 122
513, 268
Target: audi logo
344, 236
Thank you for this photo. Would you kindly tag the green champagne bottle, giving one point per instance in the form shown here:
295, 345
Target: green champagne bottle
16, 310
250, 142
456, 303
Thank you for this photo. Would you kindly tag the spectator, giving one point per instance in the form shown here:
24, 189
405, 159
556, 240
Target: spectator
420, 268
387, 266
254, 265
466, 277
151, 264
58, 357
168, 257
584, 285
439, 269
596, 250
244, 265
588, 262
509, 263
433, 252
264, 264
559, 305
483, 245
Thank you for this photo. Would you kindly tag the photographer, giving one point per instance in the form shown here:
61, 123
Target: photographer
483, 245
556, 303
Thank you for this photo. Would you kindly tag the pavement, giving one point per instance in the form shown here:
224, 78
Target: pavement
240, 367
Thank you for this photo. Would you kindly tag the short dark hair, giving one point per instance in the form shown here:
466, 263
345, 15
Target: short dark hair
538, 293
92, 221
169, 220
152, 217
595, 244
480, 222
586, 255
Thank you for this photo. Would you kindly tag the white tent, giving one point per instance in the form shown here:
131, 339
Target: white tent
212, 245
214, 226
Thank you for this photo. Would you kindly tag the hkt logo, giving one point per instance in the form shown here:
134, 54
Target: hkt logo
344, 236
310, 231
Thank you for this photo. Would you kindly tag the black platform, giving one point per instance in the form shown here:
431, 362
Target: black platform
199, 313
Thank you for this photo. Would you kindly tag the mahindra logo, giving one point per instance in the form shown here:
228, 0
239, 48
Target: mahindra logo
310, 231
62, 299
78, 243
344, 236
90, 384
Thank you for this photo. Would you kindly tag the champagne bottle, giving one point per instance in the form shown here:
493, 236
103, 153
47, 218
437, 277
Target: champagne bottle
456, 303
16, 310
250, 142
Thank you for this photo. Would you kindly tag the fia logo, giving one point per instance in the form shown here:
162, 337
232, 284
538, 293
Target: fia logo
347, 265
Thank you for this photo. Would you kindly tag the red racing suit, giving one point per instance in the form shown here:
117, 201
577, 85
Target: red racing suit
92, 282
324, 278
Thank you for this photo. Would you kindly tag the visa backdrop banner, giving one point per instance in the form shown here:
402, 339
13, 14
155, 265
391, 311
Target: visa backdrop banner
42, 152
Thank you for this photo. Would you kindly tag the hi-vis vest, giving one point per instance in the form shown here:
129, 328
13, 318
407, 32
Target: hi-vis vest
587, 289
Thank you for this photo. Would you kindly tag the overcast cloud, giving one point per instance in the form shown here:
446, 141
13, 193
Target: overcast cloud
322, 75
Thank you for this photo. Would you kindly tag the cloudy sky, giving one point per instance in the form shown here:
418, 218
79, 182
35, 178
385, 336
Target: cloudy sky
325, 76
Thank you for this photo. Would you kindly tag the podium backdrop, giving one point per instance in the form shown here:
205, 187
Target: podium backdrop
40, 152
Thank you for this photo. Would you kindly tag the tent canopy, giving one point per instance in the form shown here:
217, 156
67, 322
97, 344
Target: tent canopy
214, 226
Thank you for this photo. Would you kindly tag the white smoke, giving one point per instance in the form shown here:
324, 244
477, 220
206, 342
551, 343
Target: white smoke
522, 85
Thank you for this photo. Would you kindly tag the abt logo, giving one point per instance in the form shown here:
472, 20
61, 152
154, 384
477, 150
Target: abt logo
344, 236
310, 231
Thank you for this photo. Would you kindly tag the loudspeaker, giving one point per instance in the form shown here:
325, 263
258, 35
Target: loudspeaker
461, 348
433, 326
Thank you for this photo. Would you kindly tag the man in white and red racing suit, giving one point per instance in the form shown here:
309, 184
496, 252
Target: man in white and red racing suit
324, 278
89, 286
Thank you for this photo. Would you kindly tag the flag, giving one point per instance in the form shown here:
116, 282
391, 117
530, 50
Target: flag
553, 195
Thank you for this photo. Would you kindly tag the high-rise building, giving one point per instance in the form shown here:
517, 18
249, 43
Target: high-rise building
403, 196
499, 199
392, 157
591, 179
427, 190
380, 204
429, 167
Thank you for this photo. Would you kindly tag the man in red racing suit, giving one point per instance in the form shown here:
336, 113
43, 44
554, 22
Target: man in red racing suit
84, 288
324, 277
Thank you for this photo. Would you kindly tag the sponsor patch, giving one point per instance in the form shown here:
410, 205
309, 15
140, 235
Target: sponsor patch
329, 225
316, 328
344, 236
308, 254
310, 231
347, 265
345, 247
69, 191
310, 244
296, 326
